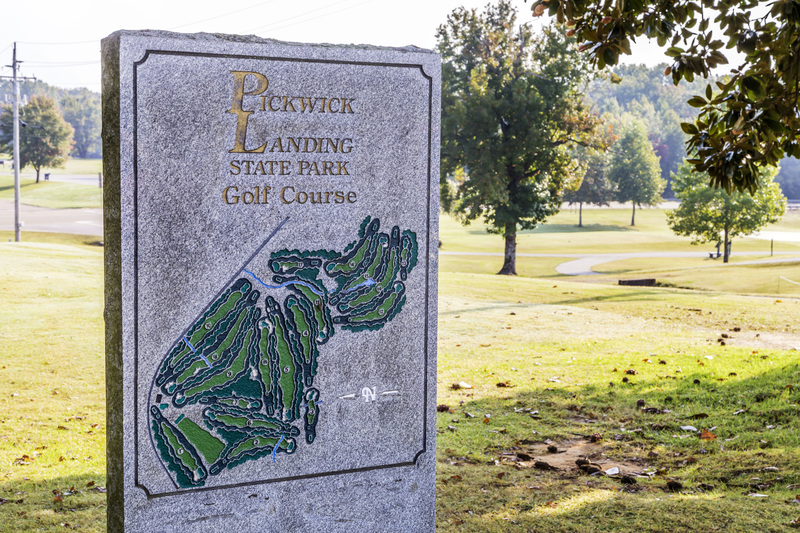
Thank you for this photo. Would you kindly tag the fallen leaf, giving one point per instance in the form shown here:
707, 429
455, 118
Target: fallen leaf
688, 428
707, 435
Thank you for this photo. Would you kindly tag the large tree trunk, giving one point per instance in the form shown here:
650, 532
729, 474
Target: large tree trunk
510, 259
726, 246
37, 175
580, 214
633, 215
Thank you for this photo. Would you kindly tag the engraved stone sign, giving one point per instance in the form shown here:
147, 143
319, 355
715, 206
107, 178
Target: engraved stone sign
271, 238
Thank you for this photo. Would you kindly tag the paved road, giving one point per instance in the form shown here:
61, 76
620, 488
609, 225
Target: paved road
77, 221
583, 263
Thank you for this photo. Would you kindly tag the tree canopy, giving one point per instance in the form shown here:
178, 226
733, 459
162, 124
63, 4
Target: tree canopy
712, 215
634, 169
82, 111
45, 139
594, 188
511, 106
747, 122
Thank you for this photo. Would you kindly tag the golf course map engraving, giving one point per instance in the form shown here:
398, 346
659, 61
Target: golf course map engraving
238, 385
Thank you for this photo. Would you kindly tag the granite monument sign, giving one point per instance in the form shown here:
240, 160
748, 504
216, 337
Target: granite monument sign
271, 239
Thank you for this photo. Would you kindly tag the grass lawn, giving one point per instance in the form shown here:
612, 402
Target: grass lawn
604, 231
549, 362
51, 193
52, 399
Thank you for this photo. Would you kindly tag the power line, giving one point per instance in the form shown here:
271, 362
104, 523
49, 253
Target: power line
221, 16
95, 41
323, 15
55, 64
267, 26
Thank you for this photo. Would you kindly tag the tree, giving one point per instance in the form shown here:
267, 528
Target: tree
709, 214
82, 111
595, 187
511, 106
789, 178
747, 122
634, 169
45, 138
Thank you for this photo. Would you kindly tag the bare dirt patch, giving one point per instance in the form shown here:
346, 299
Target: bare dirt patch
767, 340
565, 456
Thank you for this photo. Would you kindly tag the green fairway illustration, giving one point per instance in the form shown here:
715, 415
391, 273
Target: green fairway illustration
238, 385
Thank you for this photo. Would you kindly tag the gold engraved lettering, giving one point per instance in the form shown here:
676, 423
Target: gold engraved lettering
346, 105
290, 195
230, 200
322, 168
242, 116
283, 195
287, 104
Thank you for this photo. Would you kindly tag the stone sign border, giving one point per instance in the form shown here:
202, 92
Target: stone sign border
429, 79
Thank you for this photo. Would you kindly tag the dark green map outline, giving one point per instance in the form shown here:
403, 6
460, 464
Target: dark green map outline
252, 366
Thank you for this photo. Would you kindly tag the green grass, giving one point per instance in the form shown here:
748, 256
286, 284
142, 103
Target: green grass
605, 231
55, 194
52, 400
562, 350
560, 347
529, 267
709, 274
73, 165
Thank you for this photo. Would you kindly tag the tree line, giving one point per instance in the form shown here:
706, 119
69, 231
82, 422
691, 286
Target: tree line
80, 108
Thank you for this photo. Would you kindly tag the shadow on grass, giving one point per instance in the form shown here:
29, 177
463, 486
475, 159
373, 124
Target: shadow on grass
31, 504
21, 186
754, 422
620, 296
573, 228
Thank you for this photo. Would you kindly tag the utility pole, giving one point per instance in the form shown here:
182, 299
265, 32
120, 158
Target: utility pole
14, 67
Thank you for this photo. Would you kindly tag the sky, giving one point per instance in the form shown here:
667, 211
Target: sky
59, 41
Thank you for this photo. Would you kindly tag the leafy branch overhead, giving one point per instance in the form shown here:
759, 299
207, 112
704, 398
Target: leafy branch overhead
746, 123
